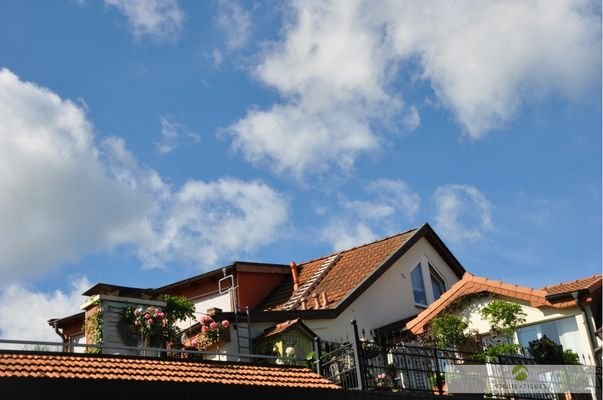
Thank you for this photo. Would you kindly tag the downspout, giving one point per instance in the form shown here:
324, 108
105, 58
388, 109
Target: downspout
589, 325
61, 334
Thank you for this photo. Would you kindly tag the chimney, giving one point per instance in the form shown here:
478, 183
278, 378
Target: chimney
323, 300
295, 276
316, 303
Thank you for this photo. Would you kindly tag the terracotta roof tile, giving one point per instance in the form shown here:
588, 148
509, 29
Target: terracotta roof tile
118, 368
471, 284
352, 267
589, 283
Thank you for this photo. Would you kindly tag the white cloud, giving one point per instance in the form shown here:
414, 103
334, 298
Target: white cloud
63, 195
171, 132
24, 312
463, 213
341, 235
234, 22
153, 19
485, 59
340, 66
389, 203
204, 222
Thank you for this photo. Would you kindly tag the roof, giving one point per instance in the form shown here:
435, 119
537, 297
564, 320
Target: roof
88, 367
115, 290
471, 285
220, 272
589, 284
354, 270
74, 317
286, 327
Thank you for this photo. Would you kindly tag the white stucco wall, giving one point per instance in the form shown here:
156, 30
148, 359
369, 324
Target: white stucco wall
387, 300
534, 316
202, 304
471, 312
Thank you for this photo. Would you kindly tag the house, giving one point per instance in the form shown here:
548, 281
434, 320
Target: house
380, 284
568, 313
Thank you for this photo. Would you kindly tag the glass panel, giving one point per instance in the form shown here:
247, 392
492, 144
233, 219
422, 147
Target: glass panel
418, 286
437, 284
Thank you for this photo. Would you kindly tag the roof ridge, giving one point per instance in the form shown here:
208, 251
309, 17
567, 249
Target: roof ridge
569, 282
360, 246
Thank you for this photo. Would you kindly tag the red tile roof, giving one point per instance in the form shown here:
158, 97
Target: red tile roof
286, 326
471, 285
25, 365
590, 283
350, 269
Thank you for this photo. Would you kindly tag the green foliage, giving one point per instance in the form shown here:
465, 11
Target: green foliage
177, 308
448, 330
310, 359
94, 329
502, 349
503, 316
545, 351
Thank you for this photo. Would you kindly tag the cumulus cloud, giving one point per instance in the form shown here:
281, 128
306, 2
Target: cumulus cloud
340, 69
234, 22
463, 213
17, 301
151, 19
207, 220
388, 203
64, 194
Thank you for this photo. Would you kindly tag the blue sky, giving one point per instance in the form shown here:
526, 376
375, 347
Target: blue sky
142, 142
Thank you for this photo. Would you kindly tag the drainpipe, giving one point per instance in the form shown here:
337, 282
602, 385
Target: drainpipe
589, 325
61, 334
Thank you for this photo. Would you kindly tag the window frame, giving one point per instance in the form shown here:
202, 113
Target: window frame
427, 267
412, 285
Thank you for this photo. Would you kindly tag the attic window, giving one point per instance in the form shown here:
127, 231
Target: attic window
437, 283
427, 284
418, 286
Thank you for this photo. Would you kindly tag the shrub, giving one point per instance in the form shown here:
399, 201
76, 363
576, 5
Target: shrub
448, 330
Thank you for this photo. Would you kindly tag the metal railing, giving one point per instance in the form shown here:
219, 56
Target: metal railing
153, 352
364, 365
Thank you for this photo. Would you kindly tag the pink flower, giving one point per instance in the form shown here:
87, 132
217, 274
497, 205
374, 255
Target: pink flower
147, 315
225, 324
149, 321
213, 325
136, 323
204, 329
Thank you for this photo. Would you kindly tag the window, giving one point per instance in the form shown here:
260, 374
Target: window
418, 285
437, 283
427, 284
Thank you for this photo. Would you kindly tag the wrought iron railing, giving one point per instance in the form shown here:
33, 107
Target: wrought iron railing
368, 365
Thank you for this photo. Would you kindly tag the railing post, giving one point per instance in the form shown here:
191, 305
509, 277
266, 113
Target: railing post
317, 354
357, 347
439, 380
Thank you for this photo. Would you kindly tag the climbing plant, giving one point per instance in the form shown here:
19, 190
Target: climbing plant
503, 316
93, 328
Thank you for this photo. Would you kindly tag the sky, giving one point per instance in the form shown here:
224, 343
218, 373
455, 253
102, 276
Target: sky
147, 141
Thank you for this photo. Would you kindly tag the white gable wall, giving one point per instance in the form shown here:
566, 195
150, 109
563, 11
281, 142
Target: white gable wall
388, 299
534, 317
